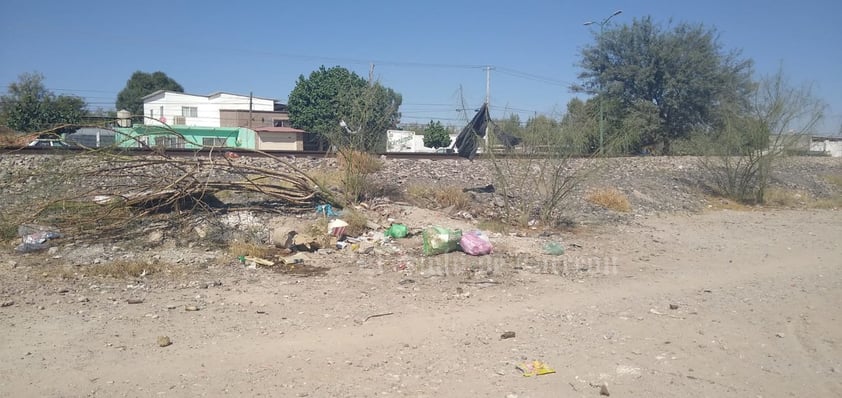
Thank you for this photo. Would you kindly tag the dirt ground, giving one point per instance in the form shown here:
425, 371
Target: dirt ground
722, 303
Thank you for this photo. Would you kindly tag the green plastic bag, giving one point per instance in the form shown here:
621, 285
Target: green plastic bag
554, 249
397, 231
438, 240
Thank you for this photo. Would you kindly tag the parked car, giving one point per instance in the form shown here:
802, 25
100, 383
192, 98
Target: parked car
48, 143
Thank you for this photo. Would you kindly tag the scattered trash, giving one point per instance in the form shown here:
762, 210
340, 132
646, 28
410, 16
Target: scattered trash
342, 245
258, 261
507, 335
476, 243
7, 303
337, 228
780, 335
397, 231
326, 210
35, 237
438, 240
164, 341
534, 368
191, 308
554, 249
230, 155
294, 259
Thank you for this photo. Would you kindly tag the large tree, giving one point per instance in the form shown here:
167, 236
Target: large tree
29, 106
142, 84
329, 96
663, 83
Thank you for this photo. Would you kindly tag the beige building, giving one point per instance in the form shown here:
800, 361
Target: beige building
279, 139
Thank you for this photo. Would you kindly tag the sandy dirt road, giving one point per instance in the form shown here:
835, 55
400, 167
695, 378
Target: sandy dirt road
755, 297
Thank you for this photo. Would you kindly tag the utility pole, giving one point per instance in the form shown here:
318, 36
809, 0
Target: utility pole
370, 73
251, 96
488, 84
601, 88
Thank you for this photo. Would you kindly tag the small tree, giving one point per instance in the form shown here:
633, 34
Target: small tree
436, 136
743, 154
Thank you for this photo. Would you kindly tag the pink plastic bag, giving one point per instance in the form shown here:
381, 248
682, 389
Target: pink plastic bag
476, 243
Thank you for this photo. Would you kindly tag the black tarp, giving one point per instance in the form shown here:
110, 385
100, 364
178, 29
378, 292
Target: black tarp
467, 142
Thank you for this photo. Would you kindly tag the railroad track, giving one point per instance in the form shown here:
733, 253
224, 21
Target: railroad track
219, 152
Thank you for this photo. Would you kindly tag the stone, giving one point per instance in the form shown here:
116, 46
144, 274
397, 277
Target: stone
603, 389
673, 306
82, 299
7, 303
191, 308
134, 301
507, 335
164, 341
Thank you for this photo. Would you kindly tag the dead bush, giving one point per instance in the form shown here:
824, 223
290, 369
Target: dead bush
610, 198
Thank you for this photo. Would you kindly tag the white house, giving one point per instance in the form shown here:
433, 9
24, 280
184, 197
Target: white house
208, 110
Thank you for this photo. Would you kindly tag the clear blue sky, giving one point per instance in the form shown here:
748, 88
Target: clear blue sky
425, 50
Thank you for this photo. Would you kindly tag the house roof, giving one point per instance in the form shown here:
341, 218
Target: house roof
216, 94
277, 130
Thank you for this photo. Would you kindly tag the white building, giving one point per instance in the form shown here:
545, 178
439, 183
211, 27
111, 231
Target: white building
831, 146
206, 110
409, 141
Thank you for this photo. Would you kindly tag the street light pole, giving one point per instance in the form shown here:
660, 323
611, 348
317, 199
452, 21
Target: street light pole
601, 88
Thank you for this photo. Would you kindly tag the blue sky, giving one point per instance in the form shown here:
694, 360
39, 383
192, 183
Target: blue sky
424, 50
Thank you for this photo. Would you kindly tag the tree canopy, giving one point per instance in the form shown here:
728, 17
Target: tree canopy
660, 84
329, 96
142, 84
436, 136
29, 106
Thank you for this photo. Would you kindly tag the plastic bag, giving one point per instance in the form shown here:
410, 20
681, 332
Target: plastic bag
397, 231
554, 249
476, 243
438, 240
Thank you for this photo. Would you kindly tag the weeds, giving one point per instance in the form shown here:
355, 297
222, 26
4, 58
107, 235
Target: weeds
438, 197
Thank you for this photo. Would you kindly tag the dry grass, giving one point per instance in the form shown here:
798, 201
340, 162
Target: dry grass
786, 197
834, 179
356, 222
122, 269
494, 226
721, 203
357, 162
237, 248
438, 196
610, 198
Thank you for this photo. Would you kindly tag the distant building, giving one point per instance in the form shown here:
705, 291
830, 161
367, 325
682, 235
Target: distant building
410, 141
831, 146
92, 137
192, 137
216, 110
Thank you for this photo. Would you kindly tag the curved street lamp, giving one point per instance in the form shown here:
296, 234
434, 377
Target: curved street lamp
601, 101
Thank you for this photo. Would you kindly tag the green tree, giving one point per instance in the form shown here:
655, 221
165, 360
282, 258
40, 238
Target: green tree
29, 107
436, 136
683, 71
328, 96
142, 84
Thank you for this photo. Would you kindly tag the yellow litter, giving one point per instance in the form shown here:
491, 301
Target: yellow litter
534, 368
